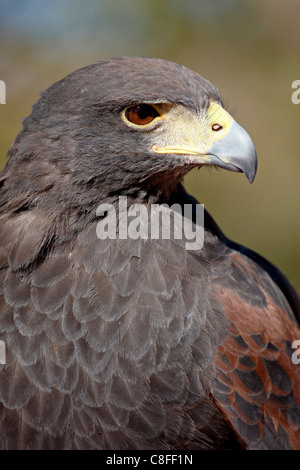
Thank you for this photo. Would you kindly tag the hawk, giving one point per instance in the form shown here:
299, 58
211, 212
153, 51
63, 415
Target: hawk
136, 342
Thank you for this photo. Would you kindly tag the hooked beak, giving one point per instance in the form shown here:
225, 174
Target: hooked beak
235, 152
213, 138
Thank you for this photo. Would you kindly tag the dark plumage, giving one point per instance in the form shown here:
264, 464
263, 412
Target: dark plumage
135, 344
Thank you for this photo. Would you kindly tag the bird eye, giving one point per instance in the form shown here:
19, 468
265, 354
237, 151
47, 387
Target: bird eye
216, 127
141, 114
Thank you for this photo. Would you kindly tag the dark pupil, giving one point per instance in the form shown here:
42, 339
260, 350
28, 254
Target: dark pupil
145, 111
141, 114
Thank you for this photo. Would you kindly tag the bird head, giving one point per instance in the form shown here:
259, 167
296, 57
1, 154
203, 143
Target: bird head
125, 124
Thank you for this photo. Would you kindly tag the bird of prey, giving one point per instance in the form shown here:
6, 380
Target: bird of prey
136, 342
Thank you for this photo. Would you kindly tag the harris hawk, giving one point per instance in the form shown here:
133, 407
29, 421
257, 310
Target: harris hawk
136, 343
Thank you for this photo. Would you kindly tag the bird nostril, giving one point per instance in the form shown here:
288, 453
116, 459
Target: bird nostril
216, 127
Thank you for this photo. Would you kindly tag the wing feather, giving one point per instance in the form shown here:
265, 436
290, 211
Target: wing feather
258, 384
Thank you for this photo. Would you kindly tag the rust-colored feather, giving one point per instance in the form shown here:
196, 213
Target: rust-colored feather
255, 365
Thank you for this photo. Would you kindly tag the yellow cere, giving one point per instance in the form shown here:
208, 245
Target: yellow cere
177, 129
217, 115
186, 132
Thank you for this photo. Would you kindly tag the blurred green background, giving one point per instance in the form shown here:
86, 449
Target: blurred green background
250, 49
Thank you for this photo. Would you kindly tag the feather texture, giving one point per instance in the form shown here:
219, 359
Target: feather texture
131, 343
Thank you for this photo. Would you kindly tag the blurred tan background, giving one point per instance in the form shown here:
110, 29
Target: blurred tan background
248, 48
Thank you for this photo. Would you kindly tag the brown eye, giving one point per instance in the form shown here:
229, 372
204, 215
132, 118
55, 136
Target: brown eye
141, 114
216, 127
